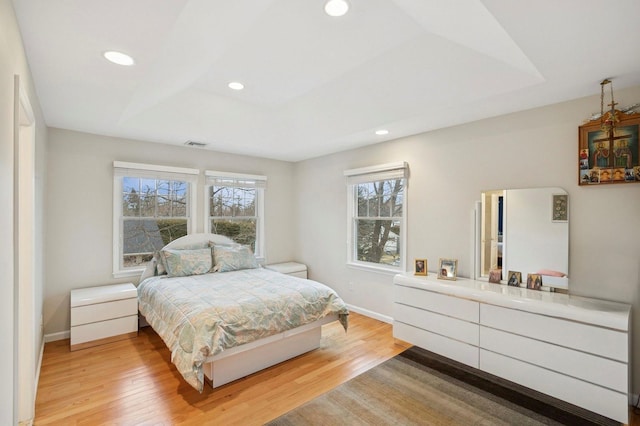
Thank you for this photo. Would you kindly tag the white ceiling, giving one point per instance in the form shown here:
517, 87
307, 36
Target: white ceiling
315, 84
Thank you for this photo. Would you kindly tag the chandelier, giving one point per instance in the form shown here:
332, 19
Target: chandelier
608, 120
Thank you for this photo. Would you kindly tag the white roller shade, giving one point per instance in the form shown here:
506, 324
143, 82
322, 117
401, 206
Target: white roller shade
235, 180
399, 170
122, 169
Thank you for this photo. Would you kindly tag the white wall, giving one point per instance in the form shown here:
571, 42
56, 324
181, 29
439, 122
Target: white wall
80, 207
13, 62
449, 169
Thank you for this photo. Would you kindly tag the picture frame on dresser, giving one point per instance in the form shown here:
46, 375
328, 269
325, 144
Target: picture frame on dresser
448, 269
420, 267
515, 278
534, 281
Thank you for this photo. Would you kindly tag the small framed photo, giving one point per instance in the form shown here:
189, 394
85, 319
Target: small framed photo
534, 281
420, 267
560, 208
495, 276
448, 269
515, 278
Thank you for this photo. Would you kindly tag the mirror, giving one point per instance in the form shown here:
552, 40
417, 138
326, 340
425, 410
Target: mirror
524, 230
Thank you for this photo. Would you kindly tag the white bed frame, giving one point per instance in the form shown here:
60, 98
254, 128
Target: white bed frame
243, 360
246, 359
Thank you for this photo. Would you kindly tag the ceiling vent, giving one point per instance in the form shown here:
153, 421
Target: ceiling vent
196, 144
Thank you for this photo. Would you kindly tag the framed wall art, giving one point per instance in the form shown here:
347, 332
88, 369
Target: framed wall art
609, 150
560, 208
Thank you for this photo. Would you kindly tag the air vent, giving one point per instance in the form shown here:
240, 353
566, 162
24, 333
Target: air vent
196, 144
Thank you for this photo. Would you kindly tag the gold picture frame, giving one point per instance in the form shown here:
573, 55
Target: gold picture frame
420, 267
609, 156
515, 278
534, 281
448, 269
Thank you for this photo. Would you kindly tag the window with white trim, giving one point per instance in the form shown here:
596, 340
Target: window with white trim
153, 205
377, 208
235, 207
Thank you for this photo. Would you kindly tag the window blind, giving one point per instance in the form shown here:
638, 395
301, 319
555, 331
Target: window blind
399, 170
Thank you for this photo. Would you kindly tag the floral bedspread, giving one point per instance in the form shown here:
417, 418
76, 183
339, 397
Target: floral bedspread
202, 315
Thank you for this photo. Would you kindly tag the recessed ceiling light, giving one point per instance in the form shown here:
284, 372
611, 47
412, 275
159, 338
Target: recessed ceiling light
336, 7
118, 58
236, 85
382, 132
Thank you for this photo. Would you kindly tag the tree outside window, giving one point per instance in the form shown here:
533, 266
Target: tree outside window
378, 221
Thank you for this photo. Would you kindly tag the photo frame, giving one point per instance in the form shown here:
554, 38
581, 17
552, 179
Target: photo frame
609, 157
448, 269
420, 267
534, 281
514, 278
495, 276
560, 208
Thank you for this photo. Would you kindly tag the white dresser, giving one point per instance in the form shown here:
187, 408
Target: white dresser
290, 268
573, 348
103, 314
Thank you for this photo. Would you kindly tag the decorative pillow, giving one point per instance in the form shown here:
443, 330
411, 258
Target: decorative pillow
233, 258
182, 263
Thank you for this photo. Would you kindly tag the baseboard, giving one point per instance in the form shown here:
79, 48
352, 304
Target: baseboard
57, 336
38, 367
370, 314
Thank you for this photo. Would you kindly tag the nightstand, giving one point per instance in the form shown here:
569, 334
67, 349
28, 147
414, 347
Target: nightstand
290, 268
103, 314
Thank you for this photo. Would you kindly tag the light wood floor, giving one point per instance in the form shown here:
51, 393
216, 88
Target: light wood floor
133, 382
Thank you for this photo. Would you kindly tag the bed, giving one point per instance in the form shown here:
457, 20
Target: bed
226, 317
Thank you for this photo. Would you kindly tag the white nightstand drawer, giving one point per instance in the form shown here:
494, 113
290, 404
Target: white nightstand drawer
103, 311
104, 329
294, 269
103, 314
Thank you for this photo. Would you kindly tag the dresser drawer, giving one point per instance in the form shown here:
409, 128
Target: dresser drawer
583, 337
440, 324
103, 311
601, 371
454, 349
465, 310
595, 398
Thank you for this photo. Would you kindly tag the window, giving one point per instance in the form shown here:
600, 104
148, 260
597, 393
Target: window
153, 205
377, 206
235, 208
